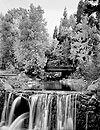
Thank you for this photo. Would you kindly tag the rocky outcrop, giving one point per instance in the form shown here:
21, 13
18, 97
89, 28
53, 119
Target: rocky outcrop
88, 112
94, 86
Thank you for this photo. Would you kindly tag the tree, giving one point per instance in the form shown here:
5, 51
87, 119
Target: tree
79, 43
80, 11
63, 35
24, 38
9, 31
92, 6
7, 40
33, 40
55, 32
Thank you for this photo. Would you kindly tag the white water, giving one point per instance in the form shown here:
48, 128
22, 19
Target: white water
68, 121
7, 122
39, 117
17, 124
32, 111
40, 114
5, 112
59, 113
11, 115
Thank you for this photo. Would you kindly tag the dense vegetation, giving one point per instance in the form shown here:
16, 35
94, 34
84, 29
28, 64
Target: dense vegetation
79, 41
24, 39
25, 44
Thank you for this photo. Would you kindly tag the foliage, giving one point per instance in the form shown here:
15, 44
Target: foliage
24, 38
19, 82
85, 49
31, 45
80, 11
76, 84
24, 42
62, 50
55, 32
79, 44
88, 7
6, 42
92, 6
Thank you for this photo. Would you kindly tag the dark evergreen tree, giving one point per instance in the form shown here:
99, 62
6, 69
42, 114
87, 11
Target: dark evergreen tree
80, 11
92, 6
62, 51
55, 32
65, 13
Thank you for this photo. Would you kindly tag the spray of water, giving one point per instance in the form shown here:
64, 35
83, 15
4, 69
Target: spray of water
69, 124
59, 112
18, 121
41, 110
17, 124
11, 115
38, 119
34, 99
5, 112
66, 112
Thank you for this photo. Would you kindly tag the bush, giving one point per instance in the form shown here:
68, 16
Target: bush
20, 81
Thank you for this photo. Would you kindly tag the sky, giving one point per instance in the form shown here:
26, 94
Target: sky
53, 9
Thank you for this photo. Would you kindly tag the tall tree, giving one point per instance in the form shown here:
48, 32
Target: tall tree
62, 51
24, 38
33, 40
7, 40
55, 32
80, 11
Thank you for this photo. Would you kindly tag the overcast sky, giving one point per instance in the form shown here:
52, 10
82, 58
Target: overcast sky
53, 9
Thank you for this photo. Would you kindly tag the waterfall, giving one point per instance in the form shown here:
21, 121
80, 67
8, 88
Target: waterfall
34, 99
5, 112
59, 112
11, 115
39, 107
66, 112
17, 124
47, 111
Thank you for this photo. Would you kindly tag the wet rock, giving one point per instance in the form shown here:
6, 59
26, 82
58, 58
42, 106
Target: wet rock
88, 104
94, 86
91, 108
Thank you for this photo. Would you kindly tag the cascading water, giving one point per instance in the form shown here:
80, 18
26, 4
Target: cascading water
66, 112
7, 119
47, 111
39, 111
16, 124
11, 115
32, 111
5, 112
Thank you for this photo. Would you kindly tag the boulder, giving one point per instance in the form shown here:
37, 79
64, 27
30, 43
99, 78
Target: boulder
94, 86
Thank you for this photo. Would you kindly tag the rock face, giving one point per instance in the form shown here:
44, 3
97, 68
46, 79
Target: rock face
88, 112
95, 86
